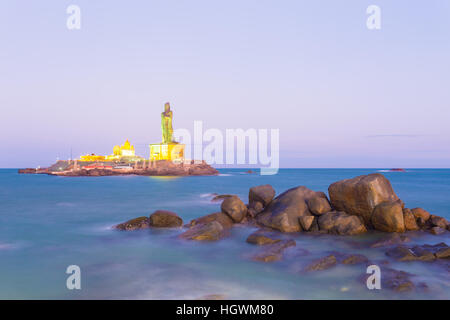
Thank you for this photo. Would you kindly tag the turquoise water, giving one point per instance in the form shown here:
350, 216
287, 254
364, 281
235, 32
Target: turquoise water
48, 223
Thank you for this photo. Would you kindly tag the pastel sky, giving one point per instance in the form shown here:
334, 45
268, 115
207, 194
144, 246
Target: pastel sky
341, 95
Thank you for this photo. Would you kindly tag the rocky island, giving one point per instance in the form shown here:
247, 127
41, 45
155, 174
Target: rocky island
166, 159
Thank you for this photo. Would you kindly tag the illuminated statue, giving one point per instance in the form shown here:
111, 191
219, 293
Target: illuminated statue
166, 124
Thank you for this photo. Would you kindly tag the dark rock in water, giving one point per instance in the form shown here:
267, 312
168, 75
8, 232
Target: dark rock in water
274, 252
359, 196
420, 253
235, 208
410, 220
221, 197
341, 223
401, 253
388, 217
219, 217
260, 196
262, 238
396, 280
322, 263
392, 240
354, 259
283, 212
319, 205
420, 213
437, 221
165, 219
437, 230
134, 224
211, 231
306, 222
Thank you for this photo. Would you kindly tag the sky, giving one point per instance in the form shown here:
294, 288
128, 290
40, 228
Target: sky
340, 94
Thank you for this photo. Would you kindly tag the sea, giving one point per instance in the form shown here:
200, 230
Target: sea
49, 223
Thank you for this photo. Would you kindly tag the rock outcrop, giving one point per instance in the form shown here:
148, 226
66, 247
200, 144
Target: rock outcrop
210, 231
134, 224
284, 211
359, 196
341, 223
234, 208
165, 219
260, 197
388, 217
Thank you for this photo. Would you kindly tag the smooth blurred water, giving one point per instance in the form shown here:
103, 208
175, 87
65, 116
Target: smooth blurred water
48, 223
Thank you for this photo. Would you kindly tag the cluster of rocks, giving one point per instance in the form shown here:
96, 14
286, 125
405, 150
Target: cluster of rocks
355, 206
424, 252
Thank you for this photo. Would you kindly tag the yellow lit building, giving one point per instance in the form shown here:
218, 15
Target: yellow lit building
167, 151
119, 152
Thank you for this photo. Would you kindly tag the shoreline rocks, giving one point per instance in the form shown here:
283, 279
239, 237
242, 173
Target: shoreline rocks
165, 219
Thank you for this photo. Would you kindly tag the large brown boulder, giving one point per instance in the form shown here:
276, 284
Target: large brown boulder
341, 223
263, 194
319, 205
211, 231
235, 208
359, 196
134, 224
165, 219
283, 212
219, 217
388, 217
410, 220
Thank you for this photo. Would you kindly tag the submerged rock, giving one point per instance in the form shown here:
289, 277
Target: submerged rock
234, 208
322, 263
262, 238
211, 231
165, 219
393, 239
134, 224
283, 212
359, 196
274, 252
388, 217
420, 253
219, 217
341, 223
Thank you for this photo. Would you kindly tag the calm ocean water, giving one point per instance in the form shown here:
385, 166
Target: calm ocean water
48, 223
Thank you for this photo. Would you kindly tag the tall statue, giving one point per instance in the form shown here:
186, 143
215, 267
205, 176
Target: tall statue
166, 124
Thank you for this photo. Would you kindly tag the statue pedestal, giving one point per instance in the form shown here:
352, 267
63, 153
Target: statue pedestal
167, 151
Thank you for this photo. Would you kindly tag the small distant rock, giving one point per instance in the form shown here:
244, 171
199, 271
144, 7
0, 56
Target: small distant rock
322, 263
234, 208
134, 224
165, 219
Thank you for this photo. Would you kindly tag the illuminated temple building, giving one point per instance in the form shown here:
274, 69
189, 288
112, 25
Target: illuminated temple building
123, 152
168, 149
